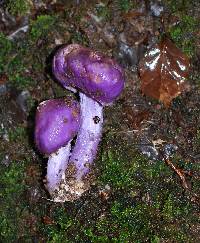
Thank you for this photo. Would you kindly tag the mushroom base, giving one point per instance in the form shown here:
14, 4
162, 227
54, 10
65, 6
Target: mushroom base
71, 188
56, 167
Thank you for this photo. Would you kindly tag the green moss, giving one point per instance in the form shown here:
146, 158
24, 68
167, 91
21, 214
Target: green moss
178, 5
16, 134
159, 211
27, 58
116, 172
123, 224
17, 72
18, 7
12, 187
57, 231
168, 208
155, 239
139, 223
189, 167
183, 34
23, 62
5, 52
79, 37
197, 138
41, 27
12, 180
21, 82
125, 5
161, 199
14, 64
122, 172
103, 12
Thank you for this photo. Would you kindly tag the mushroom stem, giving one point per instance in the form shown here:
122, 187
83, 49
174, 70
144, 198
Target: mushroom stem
56, 167
88, 137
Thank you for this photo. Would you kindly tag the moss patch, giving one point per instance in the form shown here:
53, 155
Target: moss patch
42, 26
133, 211
18, 7
183, 34
125, 5
12, 188
5, 52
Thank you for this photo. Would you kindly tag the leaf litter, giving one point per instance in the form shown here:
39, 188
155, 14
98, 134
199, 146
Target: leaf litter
164, 71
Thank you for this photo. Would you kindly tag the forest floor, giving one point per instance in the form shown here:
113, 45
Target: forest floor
147, 186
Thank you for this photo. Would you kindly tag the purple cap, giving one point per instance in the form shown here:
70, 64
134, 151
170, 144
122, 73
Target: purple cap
57, 122
90, 72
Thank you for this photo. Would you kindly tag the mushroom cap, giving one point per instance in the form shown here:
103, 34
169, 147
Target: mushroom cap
88, 71
57, 122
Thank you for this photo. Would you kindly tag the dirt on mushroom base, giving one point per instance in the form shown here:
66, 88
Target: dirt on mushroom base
138, 189
70, 188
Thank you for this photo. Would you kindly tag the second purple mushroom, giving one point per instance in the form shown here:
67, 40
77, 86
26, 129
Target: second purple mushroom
99, 81
56, 124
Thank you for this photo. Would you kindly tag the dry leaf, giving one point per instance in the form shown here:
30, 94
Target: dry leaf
47, 220
163, 72
3, 79
135, 118
133, 14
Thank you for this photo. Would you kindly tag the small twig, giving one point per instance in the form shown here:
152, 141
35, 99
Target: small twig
23, 28
48, 199
179, 172
128, 131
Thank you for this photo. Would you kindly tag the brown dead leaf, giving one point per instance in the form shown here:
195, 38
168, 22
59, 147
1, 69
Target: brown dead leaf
135, 118
133, 14
47, 220
163, 72
3, 79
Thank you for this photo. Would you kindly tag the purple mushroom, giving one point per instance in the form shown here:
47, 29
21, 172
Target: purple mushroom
57, 122
99, 81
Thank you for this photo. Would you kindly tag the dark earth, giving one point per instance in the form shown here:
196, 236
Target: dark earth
147, 172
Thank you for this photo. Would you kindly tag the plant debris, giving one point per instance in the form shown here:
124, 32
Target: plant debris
179, 172
163, 71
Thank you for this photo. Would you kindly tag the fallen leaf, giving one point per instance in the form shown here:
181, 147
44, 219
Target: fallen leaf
47, 220
3, 79
135, 118
164, 70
